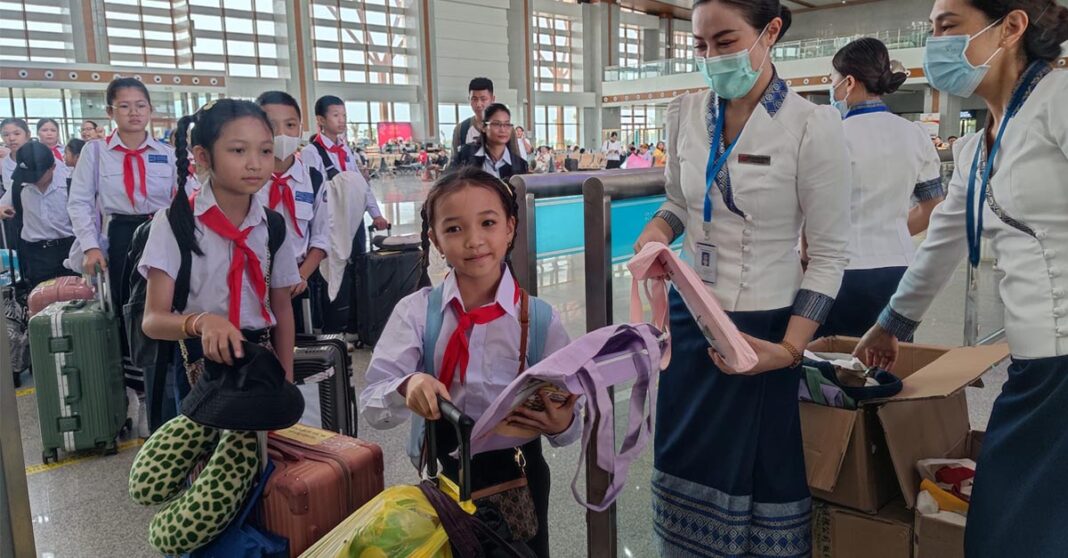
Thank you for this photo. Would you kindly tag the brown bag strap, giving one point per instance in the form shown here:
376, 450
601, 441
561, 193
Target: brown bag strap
524, 325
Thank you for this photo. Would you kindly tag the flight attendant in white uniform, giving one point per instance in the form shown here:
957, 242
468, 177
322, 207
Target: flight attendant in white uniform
893, 162
1010, 187
748, 162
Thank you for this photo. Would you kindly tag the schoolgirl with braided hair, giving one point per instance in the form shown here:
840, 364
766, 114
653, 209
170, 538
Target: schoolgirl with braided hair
469, 219
241, 268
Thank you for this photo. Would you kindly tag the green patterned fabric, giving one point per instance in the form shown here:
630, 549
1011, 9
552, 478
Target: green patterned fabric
161, 467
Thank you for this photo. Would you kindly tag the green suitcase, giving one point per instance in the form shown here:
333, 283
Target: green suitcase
77, 363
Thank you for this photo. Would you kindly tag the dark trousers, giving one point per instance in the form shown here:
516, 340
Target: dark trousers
44, 260
496, 467
339, 315
613, 164
120, 235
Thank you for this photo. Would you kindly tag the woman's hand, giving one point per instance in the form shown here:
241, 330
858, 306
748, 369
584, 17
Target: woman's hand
656, 230
770, 356
93, 258
421, 393
554, 420
877, 348
220, 339
6, 211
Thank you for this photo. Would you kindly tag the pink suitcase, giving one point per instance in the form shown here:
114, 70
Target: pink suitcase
60, 289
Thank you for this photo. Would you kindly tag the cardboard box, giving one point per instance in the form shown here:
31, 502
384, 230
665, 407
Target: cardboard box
863, 459
942, 536
844, 533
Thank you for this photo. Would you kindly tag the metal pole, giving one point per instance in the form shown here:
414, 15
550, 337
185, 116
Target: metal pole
16, 525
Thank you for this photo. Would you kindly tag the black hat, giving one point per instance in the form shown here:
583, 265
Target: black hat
253, 394
33, 160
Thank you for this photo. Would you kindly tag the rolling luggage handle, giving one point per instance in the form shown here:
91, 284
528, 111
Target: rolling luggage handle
103, 291
463, 425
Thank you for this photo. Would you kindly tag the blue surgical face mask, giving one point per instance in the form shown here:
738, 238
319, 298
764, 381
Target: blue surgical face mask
946, 64
842, 106
731, 76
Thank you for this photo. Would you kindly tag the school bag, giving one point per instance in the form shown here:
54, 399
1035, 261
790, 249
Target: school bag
152, 355
535, 331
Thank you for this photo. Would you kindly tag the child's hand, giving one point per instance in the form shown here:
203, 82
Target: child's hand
220, 339
421, 393
298, 289
555, 419
6, 211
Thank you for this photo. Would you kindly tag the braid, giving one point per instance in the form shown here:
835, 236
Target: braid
180, 214
423, 213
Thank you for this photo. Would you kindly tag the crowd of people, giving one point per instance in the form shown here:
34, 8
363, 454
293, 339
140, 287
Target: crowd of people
861, 183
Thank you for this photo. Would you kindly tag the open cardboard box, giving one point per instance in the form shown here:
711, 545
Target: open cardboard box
943, 536
844, 533
863, 459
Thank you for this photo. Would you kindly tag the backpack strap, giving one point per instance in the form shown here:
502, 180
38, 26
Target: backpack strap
328, 163
432, 330
541, 317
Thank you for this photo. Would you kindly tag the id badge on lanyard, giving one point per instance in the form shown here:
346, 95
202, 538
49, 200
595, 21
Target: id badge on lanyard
707, 257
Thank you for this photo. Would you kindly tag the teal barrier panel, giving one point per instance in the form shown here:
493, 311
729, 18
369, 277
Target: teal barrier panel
560, 230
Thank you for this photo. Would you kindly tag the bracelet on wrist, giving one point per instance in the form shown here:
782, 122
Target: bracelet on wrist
196, 332
185, 325
795, 354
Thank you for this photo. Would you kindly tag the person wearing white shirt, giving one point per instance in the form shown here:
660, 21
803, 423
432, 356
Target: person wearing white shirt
15, 133
613, 151
37, 202
494, 152
525, 148
127, 177
748, 162
1008, 187
893, 163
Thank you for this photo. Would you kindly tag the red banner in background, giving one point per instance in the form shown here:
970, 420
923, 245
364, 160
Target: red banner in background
394, 130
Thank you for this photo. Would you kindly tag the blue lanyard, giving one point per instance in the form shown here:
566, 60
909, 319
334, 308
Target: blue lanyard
974, 222
715, 164
867, 110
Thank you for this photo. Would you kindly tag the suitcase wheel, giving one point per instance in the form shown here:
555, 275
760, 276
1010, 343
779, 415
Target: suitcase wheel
108, 448
50, 455
18, 379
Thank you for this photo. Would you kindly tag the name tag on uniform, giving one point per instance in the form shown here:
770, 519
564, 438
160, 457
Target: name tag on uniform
306, 197
706, 262
748, 159
157, 158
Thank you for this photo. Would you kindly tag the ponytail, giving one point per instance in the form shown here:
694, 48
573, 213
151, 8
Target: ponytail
180, 214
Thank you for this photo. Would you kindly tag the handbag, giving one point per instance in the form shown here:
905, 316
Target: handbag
514, 501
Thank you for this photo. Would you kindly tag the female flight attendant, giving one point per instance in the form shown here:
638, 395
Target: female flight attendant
1008, 186
748, 162
893, 162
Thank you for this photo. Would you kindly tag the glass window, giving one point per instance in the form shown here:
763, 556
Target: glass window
556, 126
555, 39
630, 45
371, 37
36, 30
682, 45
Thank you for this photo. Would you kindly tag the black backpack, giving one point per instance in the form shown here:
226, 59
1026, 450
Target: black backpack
328, 164
152, 355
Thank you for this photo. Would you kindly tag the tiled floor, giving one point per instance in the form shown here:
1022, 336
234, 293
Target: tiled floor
81, 509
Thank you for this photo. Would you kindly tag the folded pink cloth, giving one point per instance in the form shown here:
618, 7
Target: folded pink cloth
656, 264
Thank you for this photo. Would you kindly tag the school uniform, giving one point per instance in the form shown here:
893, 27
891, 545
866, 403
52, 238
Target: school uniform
788, 166
506, 167
7, 168
307, 221
1017, 506
893, 162
126, 185
212, 275
46, 233
494, 363
343, 159
57, 152
613, 157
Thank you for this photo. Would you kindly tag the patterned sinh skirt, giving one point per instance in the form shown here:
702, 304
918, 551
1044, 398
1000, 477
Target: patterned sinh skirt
729, 476
1018, 505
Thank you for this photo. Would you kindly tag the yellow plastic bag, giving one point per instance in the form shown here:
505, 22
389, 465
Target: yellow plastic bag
398, 522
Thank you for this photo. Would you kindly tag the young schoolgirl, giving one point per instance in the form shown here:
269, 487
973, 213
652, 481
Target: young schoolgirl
15, 133
470, 218
237, 288
71, 153
48, 134
127, 176
37, 203
291, 193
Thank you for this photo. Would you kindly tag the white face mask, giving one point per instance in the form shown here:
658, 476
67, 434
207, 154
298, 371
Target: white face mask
284, 146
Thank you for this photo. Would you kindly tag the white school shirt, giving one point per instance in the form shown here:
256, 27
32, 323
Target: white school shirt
310, 156
1029, 239
44, 215
614, 149
312, 216
893, 160
7, 168
492, 167
208, 273
790, 166
97, 185
494, 357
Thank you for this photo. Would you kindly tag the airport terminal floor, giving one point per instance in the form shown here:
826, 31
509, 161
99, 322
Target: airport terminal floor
81, 506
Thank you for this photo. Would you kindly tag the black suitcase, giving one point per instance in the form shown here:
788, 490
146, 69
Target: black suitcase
325, 360
383, 277
338, 315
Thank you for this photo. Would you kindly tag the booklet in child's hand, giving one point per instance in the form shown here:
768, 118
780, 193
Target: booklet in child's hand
530, 398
